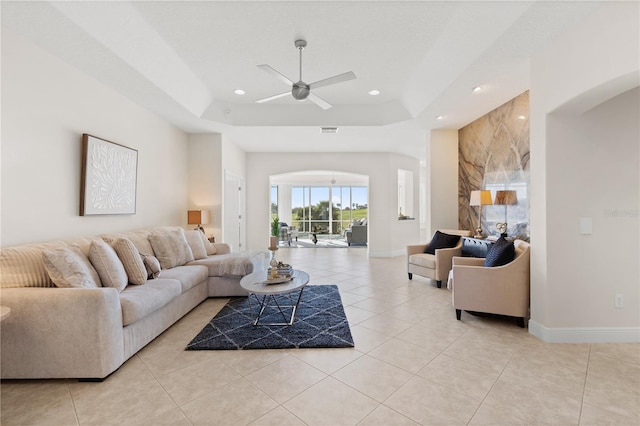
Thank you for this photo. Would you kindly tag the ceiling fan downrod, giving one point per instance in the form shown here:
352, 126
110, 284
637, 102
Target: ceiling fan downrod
300, 90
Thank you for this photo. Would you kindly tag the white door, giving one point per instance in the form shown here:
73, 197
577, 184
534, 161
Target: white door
234, 212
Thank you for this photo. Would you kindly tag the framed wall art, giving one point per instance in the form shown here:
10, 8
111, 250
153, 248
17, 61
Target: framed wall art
108, 179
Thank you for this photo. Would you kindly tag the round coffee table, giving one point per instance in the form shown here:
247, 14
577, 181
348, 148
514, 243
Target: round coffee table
265, 294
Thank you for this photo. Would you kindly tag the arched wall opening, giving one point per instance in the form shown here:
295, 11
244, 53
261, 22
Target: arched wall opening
322, 202
387, 236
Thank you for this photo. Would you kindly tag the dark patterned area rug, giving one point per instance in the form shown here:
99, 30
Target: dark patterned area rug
320, 323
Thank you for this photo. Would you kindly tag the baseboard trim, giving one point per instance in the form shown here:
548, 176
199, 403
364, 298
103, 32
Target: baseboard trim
585, 334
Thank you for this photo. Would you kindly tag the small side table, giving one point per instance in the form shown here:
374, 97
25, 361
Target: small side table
4, 312
265, 293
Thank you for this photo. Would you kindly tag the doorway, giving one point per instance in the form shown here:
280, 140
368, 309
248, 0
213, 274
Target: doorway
234, 232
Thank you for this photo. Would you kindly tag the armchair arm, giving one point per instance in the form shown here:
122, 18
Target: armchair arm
444, 258
417, 248
468, 261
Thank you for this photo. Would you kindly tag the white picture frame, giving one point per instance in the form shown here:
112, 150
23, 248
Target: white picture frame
108, 178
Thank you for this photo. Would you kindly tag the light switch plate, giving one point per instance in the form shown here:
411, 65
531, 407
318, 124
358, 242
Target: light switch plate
586, 226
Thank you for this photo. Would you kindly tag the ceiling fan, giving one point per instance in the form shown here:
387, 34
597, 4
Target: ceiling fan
302, 90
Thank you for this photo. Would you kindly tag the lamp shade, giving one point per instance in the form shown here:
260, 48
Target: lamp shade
197, 217
480, 198
506, 198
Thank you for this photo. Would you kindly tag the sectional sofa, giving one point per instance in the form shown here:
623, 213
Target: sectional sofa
80, 308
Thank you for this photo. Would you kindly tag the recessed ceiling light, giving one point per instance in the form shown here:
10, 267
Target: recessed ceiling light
522, 117
239, 92
440, 117
374, 92
477, 89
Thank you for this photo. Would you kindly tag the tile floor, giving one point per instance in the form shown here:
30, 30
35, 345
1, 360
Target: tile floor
413, 364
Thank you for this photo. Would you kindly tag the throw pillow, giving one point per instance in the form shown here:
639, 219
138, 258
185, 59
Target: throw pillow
131, 260
171, 248
110, 270
211, 248
152, 265
441, 240
500, 253
69, 267
195, 243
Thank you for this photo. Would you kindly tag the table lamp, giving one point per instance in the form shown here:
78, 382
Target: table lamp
198, 217
480, 198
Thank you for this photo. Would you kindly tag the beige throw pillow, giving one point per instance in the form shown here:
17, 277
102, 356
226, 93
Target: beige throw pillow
195, 243
104, 258
131, 260
210, 248
171, 248
152, 265
69, 267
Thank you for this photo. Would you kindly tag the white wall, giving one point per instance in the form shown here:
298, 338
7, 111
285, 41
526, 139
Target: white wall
205, 177
46, 106
571, 280
442, 180
211, 155
387, 235
233, 158
603, 142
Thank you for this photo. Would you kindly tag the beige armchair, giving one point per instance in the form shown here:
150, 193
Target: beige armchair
500, 290
435, 267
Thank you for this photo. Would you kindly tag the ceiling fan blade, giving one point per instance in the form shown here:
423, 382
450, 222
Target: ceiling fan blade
276, 74
270, 98
319, 101
333, 80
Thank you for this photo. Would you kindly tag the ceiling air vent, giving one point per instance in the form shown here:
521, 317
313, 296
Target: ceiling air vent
328, 130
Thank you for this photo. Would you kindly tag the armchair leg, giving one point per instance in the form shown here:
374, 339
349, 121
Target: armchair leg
520, 322
458, 314
439, 283
410, 275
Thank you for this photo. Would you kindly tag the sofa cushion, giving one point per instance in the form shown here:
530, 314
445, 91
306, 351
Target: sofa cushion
171, 248
23, 266
500, 253
423, 259
106, 262
189, 276
138, 301
140, 239
195, 244
69, 267
131, 260
441, 240
152, 265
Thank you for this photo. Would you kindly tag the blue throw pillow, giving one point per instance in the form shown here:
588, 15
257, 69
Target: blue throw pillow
441, 240
500, 253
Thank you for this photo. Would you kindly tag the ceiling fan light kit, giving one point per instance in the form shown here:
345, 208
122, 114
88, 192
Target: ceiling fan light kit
302, 90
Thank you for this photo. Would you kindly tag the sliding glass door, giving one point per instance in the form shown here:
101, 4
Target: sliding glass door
327, 209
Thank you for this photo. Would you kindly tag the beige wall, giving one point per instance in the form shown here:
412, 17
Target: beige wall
442, 181
46, 106
572, 279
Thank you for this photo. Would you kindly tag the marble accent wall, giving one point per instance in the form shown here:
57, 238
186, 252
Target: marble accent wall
494, 155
